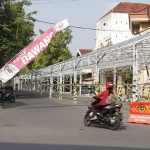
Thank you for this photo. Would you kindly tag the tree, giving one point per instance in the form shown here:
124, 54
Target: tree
17, 31
57, 51
16, 28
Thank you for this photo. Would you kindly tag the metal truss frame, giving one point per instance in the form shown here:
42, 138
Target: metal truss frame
118, 56
133, 54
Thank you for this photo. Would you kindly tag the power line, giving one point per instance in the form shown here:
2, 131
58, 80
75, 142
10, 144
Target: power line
50, 1
69, 26
85, 27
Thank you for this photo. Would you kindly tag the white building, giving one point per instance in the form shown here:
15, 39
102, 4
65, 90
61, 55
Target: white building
119, 25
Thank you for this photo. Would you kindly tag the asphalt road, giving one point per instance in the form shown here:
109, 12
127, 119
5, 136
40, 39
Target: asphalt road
36, 122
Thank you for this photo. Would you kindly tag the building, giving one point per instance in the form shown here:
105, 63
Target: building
121, 23
124, 21
81, 52
87, 76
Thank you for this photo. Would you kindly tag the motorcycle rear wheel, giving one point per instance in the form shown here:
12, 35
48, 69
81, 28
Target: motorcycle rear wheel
87, 121
116, 125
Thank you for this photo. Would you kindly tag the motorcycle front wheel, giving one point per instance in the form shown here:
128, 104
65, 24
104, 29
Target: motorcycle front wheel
12, 99
87, 121
114, 122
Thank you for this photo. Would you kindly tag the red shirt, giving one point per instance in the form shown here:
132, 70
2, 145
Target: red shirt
104, 96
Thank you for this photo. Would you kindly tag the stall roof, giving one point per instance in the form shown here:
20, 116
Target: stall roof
108, 58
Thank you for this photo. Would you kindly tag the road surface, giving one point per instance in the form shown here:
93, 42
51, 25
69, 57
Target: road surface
37, 122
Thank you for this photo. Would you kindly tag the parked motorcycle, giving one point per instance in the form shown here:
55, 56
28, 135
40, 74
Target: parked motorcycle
9, 96
111, 115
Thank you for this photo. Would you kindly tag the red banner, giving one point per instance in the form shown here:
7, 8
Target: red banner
29, 53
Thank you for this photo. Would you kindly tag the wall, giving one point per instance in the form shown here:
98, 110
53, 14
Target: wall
103, 33
113, 27
144, 77
145, 25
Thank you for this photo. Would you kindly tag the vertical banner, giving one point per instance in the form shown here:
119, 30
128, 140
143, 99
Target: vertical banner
29, 53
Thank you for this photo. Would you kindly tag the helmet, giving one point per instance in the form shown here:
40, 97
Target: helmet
109, 85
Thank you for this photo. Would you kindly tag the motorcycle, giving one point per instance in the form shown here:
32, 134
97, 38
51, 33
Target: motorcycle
111, 115
9, 96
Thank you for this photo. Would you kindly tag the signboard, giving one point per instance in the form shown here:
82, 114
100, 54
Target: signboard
29, 53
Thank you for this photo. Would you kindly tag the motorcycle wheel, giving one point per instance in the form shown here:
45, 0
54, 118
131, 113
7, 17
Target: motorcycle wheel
116, 124
12, 99
87, 121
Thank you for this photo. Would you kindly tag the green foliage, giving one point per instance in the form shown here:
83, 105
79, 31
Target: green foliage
16, 29
128, 80
57, 51
128, 77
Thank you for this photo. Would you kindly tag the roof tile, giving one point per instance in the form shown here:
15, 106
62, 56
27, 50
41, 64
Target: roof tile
85, 51
126, 7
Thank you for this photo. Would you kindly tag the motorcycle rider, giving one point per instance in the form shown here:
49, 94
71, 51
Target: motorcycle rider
104, 95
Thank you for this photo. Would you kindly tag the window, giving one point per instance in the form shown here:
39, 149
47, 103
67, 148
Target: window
135, 27
89, 75
109, 79
104, 24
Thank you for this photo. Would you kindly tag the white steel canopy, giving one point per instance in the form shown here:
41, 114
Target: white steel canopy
115, 56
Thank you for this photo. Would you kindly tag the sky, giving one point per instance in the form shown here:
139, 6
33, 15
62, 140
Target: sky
80, 13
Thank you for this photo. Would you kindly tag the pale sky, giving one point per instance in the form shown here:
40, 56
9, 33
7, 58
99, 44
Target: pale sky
80, 13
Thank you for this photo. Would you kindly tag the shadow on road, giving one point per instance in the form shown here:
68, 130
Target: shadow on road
122, 126
28, 95
12, 105
53, 106
27, 146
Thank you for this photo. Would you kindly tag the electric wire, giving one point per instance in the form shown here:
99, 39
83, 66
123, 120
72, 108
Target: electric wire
63, 1
84, 27
69, 26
